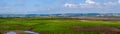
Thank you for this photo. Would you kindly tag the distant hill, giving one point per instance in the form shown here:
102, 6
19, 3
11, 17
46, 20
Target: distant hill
61, 15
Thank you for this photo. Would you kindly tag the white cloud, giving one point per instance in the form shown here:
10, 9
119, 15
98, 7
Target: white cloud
110, 3
70, 5
92, 4
118, 1
89, 2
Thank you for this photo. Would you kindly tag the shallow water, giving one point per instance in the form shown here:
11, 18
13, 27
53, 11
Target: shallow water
29, 32
11, 32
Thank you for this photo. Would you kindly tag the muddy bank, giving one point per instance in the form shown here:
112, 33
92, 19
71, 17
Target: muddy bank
17, 31
102, 29
97, 18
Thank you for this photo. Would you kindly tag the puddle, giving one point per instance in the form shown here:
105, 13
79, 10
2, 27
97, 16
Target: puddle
31, 32
11, 32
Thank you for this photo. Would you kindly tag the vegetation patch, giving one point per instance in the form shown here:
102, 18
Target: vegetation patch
54, 25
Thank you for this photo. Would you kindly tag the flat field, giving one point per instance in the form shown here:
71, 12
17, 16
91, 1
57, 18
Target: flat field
55, 25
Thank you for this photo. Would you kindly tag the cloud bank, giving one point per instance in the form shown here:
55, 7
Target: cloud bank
70, 5
92, 4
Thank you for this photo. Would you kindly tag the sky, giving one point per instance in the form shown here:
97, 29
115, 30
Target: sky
58, 6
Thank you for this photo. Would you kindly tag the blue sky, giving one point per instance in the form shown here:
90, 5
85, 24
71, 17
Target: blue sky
58, 6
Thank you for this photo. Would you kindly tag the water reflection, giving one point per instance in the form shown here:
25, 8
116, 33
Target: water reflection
31, 32
11, 32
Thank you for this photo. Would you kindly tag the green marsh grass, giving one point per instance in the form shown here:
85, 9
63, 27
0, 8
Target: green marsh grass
57, 25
